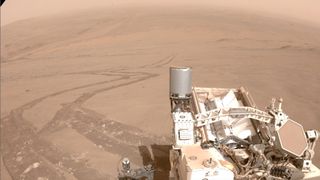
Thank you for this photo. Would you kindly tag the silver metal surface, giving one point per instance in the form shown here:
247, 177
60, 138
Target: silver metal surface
126, 164
180, 81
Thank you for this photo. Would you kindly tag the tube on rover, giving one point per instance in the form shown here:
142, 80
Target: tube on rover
180, 82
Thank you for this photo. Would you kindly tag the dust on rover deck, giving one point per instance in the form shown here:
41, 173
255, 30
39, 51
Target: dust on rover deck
220, 134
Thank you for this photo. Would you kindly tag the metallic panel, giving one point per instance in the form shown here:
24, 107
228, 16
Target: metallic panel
292, 138
180, 81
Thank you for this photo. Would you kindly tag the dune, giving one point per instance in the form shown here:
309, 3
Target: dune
81, 90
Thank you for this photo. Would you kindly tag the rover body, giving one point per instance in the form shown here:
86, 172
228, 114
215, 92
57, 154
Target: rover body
219, 133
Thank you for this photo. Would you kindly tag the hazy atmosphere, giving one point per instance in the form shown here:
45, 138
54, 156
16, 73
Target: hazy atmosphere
14, 10
85, 84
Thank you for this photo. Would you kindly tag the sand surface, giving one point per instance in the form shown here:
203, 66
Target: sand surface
80, 91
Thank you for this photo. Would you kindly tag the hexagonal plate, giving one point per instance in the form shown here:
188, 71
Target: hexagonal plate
292, 138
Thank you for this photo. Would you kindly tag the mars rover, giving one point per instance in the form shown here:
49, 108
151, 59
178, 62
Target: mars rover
220, 134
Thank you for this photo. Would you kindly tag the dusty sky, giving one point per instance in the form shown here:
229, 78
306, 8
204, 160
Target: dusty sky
307, 10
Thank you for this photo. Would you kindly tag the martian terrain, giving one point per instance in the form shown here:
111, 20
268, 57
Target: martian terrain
81, 90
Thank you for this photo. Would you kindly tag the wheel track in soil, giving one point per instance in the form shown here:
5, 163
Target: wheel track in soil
20, 139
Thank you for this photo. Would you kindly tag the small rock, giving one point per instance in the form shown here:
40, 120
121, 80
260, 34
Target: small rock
36, 165
27, 170
19, 158
60, 164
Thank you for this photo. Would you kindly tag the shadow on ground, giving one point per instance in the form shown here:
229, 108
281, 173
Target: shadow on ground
158, 156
